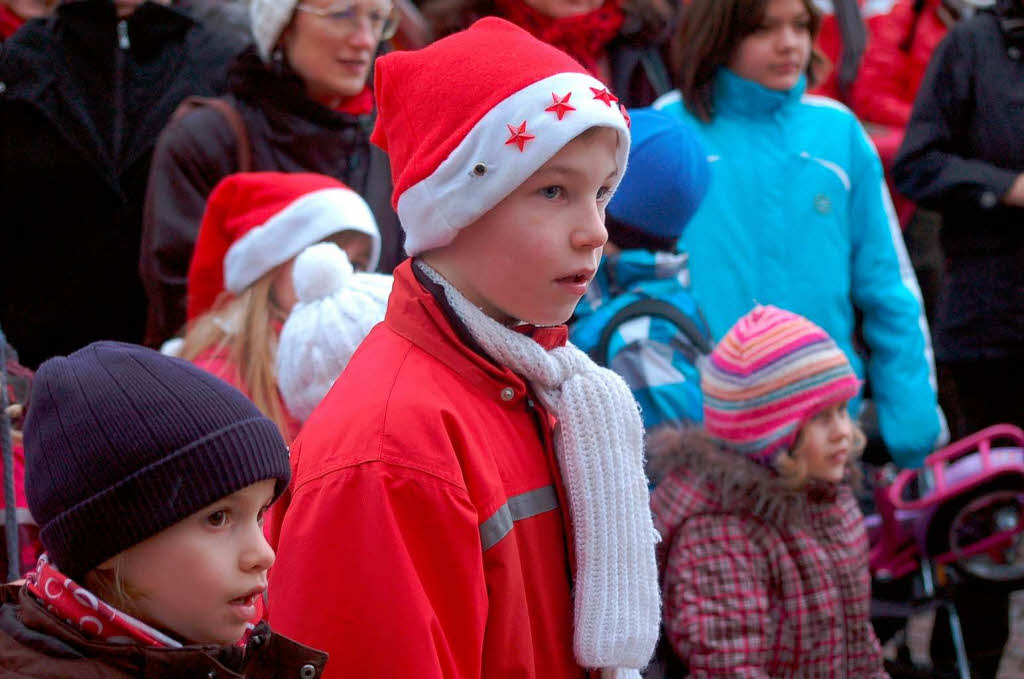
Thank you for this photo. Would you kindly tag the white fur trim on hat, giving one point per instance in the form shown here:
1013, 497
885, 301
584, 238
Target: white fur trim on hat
268, 19
306, 221
483, 169
336, 310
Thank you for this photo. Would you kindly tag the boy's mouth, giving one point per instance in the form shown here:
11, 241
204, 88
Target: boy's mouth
582, 277
248, 599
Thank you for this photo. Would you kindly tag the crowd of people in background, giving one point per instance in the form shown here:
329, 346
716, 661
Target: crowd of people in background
355, 214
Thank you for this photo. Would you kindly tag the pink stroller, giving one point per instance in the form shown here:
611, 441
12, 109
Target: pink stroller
962, 512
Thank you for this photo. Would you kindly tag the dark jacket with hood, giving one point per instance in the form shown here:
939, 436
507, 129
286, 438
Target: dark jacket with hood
288, 132
759, 580
35, 644
83, 96
964, 148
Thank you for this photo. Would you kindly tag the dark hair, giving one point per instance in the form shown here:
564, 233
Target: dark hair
707, 38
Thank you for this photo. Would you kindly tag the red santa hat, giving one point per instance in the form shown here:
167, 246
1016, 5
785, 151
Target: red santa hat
255, 221
470, 117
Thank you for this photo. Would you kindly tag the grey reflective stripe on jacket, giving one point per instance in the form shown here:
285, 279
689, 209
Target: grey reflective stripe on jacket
518, 507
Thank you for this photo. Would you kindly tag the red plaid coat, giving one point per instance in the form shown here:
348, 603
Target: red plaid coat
759, 580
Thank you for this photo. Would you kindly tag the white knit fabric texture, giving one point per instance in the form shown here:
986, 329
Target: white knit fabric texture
336, 309
599, 445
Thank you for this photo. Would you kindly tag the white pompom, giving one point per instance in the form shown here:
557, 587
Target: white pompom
320, 270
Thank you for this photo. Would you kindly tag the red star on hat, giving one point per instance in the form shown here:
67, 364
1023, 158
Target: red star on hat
625, 114
604, 95
561, 106
519, 137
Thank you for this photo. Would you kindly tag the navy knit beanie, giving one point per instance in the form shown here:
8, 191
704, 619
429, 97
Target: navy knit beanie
122, 442
665, 182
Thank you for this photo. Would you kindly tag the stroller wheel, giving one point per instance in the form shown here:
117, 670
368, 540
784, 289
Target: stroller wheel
981, 518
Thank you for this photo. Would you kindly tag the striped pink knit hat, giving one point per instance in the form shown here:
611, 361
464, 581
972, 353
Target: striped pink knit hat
769, 374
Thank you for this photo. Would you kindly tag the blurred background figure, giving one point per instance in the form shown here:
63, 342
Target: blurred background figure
963, 156
13, 13
240, 288
620, 43
83, 96
298, 101
797, 213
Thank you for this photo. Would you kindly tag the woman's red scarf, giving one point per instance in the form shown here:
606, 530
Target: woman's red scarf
92, 616
358, 105
583, 37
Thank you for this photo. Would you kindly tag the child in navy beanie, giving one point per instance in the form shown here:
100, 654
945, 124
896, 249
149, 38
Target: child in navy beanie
639, 317
149, 479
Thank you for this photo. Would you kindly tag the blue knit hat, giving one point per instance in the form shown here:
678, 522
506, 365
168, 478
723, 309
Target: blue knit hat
122, 442
666, 179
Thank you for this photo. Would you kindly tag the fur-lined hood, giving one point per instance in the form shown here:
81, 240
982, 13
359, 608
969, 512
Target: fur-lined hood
719, 481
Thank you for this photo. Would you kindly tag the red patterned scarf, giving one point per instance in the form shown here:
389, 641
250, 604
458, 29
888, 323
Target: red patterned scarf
92, 616
583, 37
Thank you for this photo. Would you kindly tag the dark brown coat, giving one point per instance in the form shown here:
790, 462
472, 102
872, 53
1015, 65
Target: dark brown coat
34, 643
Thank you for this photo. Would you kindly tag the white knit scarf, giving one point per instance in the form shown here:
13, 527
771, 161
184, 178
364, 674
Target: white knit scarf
599, 445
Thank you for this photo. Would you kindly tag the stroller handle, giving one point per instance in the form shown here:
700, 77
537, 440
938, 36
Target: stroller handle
935, 466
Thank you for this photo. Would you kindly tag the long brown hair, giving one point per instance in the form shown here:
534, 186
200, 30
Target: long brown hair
708, 35
243, 326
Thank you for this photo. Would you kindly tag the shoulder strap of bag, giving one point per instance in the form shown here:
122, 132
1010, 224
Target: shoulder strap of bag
698, 339
233, 119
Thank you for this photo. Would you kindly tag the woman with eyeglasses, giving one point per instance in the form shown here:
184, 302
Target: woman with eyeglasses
300, 101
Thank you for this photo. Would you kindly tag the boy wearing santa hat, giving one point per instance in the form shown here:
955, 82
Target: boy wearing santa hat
469, 499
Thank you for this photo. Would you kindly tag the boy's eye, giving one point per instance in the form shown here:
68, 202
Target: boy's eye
552, 192
262, 515
217, 519
603, 193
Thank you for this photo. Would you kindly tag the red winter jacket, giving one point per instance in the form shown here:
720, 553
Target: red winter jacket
760, 581
830, 42
422, 535
894, 63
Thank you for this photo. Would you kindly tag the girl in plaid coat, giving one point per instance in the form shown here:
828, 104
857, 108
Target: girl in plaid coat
764, 554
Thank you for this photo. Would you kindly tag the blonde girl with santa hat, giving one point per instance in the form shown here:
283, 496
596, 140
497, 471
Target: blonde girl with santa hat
240, 285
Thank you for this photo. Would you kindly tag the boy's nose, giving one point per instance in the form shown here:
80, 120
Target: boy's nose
591, 233
258, 554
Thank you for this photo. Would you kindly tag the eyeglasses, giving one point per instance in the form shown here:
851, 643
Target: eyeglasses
348, 15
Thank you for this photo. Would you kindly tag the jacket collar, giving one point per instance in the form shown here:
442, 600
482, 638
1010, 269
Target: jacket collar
36, 627
419, 312
741, 97
94, 23
724, 481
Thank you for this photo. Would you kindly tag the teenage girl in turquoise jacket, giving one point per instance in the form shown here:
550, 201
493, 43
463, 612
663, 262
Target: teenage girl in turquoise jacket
797, 214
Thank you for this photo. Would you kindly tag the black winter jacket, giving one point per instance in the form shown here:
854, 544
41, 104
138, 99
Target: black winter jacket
963, 149
288, 132
83, 97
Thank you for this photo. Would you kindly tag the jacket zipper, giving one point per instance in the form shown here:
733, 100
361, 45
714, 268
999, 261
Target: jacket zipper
124, 44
